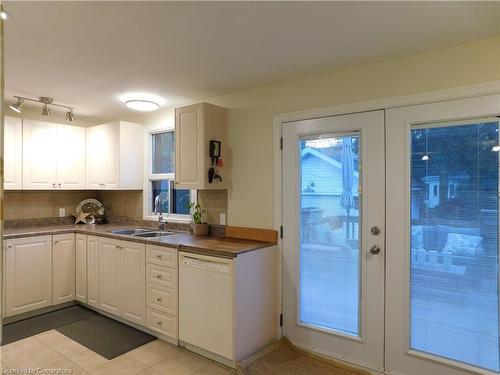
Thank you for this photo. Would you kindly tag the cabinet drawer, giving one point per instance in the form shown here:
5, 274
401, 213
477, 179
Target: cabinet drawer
162, 256
161, 298
161, 275
162, 323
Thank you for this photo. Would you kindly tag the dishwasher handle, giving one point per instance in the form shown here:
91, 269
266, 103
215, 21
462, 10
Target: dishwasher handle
207, 264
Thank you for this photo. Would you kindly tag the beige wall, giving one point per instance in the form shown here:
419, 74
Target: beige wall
250, 199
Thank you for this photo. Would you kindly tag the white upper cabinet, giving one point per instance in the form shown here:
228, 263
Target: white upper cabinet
39, 155
71, 157
114, 156
53, 156
13, 153
195, 126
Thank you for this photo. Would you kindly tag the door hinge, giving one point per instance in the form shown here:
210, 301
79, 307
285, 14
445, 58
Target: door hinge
281, 231
281, 143
281, 320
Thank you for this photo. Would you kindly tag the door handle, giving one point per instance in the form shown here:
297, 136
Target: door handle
375, 249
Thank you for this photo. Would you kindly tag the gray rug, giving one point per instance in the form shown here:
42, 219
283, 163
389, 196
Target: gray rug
32, 326
105, 336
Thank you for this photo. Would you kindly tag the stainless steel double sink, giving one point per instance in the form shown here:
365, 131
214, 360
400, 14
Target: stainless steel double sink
142, 232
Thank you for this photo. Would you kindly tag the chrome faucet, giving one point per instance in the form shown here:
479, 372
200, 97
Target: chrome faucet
162, 221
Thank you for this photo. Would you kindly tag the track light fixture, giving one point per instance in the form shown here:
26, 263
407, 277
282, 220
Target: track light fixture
17, 106
46, 104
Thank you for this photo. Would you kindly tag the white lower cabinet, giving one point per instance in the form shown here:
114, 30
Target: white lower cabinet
133, 282
28, 274
122, 279
63, 268
93, 271
162, 291
164, 324
109, 276
81, 268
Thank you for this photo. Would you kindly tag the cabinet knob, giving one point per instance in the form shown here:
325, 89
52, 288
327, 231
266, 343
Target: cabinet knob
158, 299
54, 185
159, 256
158, 322
59, 184
158, 276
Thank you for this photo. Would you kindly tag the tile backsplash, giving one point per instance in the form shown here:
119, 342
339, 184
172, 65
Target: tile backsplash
19, 205
22, 205
214, 202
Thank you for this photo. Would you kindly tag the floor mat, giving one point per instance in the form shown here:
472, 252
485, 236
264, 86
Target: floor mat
283, 358
32, 326
105, 336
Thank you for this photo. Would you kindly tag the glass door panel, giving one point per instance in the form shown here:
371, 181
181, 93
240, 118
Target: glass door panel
329, 235
454, 242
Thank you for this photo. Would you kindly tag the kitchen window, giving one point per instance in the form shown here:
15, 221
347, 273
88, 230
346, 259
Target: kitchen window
162, 197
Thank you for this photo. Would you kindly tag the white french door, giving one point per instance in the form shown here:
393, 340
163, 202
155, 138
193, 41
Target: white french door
442, 238
333, 246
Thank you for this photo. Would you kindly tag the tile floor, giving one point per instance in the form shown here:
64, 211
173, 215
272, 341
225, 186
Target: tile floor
53, 350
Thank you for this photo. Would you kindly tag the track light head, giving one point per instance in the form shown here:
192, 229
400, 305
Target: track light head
70, 116
45, 110
17, 106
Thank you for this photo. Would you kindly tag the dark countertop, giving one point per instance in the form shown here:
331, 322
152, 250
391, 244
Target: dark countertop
183, 241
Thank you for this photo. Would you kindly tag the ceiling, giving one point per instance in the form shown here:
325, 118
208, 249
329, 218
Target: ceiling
86, 54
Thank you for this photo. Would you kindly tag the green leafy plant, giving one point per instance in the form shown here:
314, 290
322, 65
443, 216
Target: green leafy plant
197, 213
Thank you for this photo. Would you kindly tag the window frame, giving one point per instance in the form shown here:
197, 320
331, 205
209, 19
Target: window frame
149, 177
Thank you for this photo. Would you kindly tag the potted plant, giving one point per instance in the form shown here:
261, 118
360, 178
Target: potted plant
199, 227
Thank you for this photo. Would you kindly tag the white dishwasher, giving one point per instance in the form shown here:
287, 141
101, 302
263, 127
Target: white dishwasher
206, 305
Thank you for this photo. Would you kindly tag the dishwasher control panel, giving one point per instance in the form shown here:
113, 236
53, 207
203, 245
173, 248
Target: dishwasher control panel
206, 265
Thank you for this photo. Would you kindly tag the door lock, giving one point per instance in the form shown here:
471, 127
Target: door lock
374, 249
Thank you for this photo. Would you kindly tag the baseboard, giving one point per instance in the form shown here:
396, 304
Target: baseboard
37, 312
205, 353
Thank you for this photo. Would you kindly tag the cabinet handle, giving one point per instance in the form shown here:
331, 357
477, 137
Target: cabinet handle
158, 299
119, 247
158, 322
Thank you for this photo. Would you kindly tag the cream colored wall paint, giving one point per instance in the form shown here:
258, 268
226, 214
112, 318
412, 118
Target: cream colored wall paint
250, 198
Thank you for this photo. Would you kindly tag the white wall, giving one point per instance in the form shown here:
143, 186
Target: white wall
250, 199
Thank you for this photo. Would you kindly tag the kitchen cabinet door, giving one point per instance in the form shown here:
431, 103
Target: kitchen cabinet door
188, 146
102, 157
93, 271
71, 157
40, 151
28, 274
133, 285
63, 268
81, 268
13, 153
110, 289
195, 126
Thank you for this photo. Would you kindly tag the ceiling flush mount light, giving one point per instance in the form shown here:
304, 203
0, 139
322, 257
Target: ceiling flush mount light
46, 104
142, 102
17, 106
